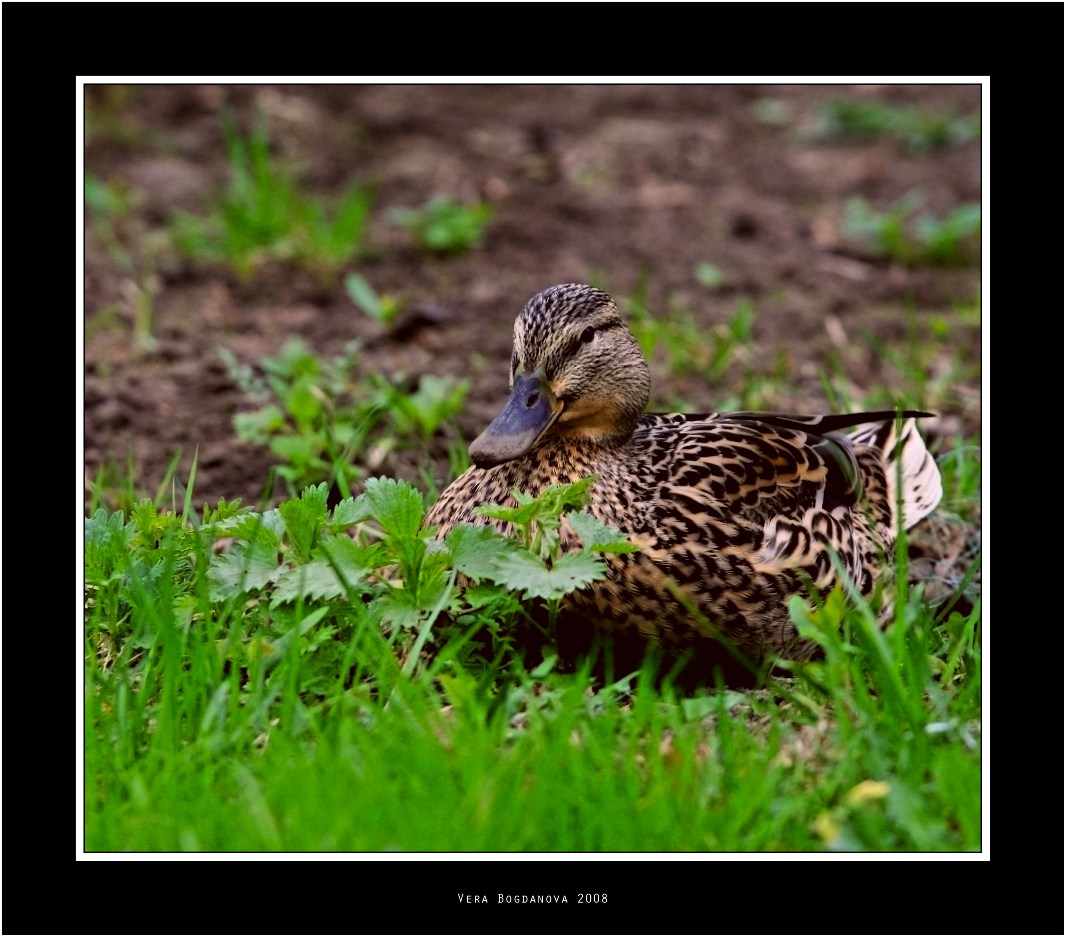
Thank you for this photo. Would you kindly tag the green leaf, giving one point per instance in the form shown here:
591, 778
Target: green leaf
345, 515
545, 508
574, 570
708, 275
400, 608
304, 402
260, 425
396, 505
297, 450
316, 580
363, 295
599, 536
350, 559
267, 527
477, 550
246, 567
106, 538
304, 517
436, 399
521, 516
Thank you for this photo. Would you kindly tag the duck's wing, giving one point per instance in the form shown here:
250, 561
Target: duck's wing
822, 424
744, 509
911, 474
747, 466
909, 468
770, 495
813, 452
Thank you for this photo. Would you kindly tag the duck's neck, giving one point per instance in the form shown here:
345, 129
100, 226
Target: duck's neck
561, 460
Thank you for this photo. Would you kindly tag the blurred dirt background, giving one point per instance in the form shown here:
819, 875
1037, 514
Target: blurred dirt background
628, 187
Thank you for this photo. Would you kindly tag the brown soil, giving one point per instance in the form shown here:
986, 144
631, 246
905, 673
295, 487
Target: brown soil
610, 183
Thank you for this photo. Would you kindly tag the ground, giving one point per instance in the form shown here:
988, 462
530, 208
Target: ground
630, 187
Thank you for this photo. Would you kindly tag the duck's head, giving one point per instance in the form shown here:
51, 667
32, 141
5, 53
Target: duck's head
576, 374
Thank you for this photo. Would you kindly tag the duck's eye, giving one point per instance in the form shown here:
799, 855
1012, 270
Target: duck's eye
587, 335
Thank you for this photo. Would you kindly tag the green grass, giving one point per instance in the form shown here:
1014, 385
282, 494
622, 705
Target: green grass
681, 346
281, 692
918, 369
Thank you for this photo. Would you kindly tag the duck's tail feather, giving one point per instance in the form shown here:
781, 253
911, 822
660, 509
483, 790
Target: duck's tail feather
906, 460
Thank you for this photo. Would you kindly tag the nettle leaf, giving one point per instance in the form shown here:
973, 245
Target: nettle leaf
345, 515
523, 571
399, 608
316, 580
304, 517
260, 425
477, 550
496, 602
539, 518
395, 505
599, 536
299, 450
565, 497
348, 556
246, 567
265, 527
403, 608
519, 516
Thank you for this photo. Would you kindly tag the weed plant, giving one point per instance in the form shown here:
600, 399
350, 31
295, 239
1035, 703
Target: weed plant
445, 227
900, 235
265, 215
381, 308
917, 130
107, 208
322, 422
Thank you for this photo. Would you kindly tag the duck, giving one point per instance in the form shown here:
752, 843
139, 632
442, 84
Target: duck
733, 513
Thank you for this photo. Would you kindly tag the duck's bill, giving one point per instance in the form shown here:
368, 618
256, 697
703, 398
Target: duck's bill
529, 413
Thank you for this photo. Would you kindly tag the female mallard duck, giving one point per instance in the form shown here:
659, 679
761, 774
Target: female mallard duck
733, 512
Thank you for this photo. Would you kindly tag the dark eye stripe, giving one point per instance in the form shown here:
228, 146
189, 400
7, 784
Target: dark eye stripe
575, 344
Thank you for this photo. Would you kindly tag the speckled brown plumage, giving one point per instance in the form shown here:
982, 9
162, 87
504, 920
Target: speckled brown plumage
733, 512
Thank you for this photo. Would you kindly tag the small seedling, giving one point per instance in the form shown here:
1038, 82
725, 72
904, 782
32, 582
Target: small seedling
949, 240
422, 413
265, 215
445, 226
897, 234
105, 201
324, 422
916, 129
308, 413
708, 275
106, 207
381, 308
